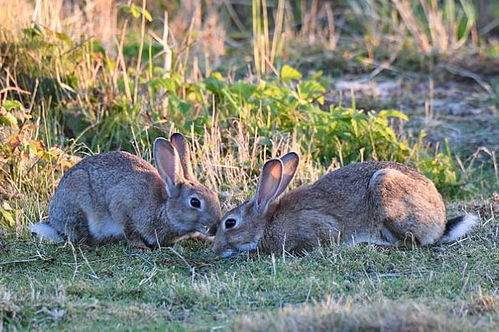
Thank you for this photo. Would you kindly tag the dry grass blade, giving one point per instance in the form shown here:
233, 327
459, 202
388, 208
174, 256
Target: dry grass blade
347, 316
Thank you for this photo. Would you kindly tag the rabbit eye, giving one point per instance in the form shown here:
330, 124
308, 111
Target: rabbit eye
229, 223
196, 203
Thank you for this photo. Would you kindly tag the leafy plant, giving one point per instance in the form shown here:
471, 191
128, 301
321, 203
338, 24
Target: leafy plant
24, 159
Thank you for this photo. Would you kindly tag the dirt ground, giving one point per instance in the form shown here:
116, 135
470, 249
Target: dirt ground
462, 110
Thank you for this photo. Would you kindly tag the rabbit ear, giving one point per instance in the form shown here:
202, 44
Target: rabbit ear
290, 165
268, 185
180, 143
168, 165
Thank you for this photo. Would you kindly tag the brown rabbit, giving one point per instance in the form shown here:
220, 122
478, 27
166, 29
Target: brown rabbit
385, 203
117, 196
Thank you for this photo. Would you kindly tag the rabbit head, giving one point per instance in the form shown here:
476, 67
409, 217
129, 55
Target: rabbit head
242, 228
190, 205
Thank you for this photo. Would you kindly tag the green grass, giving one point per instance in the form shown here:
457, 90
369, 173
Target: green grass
65, 94
44, 286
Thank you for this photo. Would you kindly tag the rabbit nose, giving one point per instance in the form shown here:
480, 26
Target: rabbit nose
217, 247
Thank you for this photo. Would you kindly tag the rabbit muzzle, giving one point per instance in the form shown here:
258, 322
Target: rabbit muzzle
231, 252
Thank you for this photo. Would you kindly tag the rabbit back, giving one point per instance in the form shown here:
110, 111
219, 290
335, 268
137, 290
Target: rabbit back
377, 202
95, 199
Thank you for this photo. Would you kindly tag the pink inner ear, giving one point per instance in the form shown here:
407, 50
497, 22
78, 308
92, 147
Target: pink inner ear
269, 181
290, 164
167, 161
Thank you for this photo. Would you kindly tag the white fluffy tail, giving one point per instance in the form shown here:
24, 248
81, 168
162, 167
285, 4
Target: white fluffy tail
458, 227
45, 231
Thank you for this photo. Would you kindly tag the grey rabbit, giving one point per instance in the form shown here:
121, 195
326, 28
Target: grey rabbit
117, 196
385, 203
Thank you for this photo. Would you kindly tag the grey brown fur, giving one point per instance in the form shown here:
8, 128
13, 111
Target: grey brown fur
117, 196
377, 202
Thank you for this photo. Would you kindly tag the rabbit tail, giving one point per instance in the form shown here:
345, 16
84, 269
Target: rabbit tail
458, 227
45, 231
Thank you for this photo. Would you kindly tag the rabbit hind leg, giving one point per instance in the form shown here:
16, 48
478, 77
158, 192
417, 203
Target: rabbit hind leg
72, 222
410, 209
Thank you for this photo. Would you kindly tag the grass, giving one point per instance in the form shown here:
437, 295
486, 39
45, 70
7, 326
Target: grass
245, 83
381, 315
44, 286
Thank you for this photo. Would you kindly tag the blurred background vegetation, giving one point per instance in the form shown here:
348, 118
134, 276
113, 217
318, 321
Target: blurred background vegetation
245, 80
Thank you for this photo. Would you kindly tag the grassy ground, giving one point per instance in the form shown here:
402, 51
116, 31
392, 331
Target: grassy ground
44, 286
76, 80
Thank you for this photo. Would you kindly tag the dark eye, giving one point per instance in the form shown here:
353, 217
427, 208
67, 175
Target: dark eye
229, 223
196, 203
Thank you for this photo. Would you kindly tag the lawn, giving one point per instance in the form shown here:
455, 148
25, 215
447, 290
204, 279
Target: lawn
414, 82
45, 286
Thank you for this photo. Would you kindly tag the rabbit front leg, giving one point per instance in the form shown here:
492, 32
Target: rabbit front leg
197, 236
133, 238
119, 216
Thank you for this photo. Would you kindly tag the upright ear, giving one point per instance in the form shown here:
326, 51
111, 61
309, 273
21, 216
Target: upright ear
168, 165
268, 185
290, 163
180, 143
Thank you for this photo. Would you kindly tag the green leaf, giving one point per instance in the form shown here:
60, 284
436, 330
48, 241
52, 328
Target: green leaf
7, 213
9, 120
394, 114
185, 108
217, 75
162, 82
34, 31
59, 35
288, 74
243, 90
63, 37
9, 105
311, 90
214, 84
137, 11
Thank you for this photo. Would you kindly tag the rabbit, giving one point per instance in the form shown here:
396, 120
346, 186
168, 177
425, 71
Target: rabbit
384, 203
117, 196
